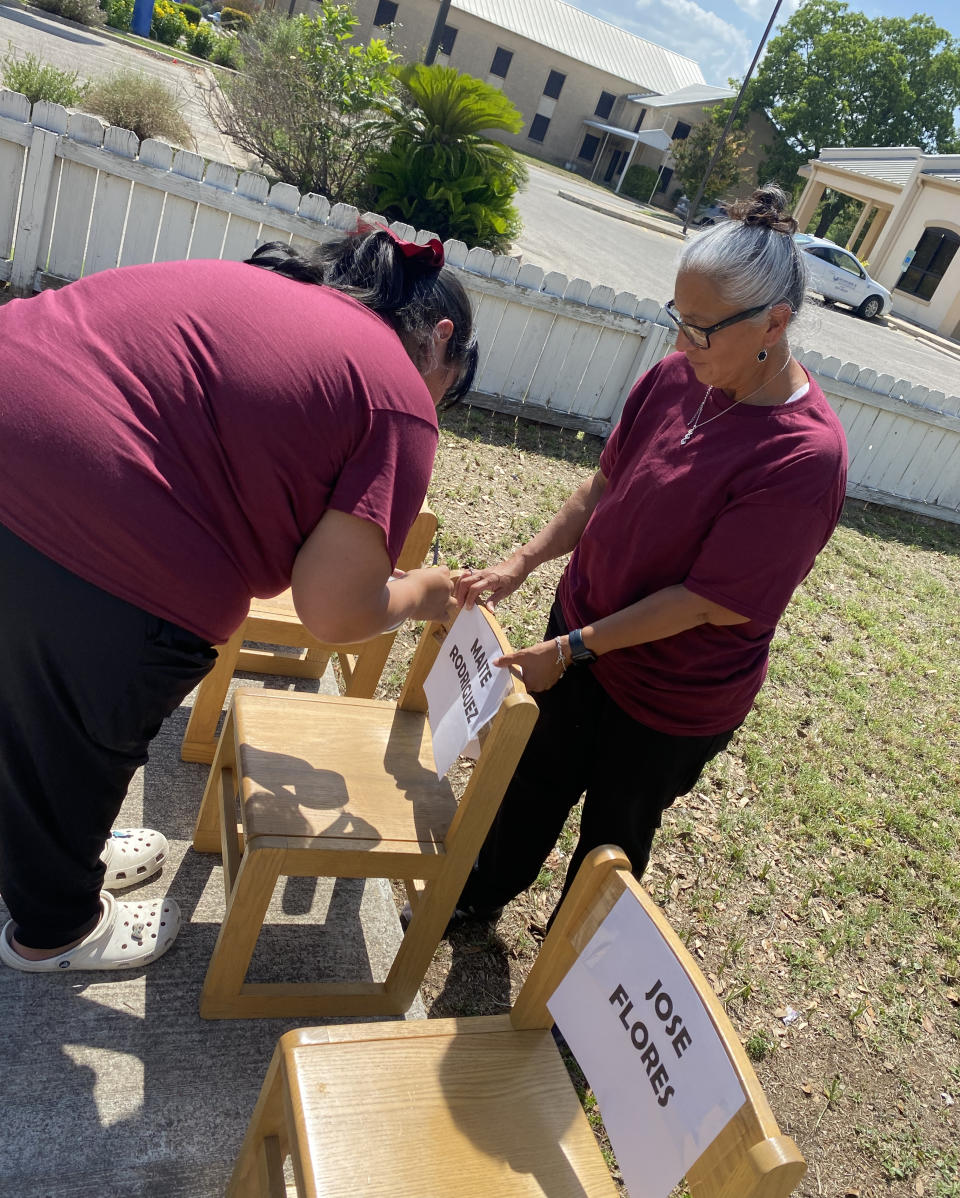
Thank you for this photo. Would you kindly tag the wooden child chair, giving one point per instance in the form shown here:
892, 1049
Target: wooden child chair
275, 622
343, 787
473, 1107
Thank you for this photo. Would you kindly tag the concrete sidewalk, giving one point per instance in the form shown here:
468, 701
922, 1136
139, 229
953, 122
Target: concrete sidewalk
113, 1086
620, 207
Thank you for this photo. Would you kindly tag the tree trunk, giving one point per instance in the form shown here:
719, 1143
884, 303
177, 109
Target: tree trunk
828, 214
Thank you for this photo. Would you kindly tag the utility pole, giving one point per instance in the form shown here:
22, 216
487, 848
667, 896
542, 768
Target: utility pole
438, 27
692, 208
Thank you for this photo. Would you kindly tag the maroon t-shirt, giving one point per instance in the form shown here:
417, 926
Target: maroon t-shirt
173, 432
737, 516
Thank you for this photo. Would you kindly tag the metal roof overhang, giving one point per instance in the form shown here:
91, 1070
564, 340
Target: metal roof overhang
645, 137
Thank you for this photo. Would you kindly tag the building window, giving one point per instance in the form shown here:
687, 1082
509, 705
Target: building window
604, 105
501, 62
539, 127
636, 127
447, 38
665, 176
682, 131
928, 263
554, 85
386, 13
588, 151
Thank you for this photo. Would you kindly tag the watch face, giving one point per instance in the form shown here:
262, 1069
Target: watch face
579, 653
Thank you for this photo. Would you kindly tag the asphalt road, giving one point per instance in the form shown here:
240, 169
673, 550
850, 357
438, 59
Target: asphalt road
70, 47
582, 243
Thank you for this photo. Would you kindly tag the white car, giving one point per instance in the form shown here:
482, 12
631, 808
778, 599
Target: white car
837, 275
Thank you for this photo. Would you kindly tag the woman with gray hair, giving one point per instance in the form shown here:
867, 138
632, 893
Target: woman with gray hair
716, 491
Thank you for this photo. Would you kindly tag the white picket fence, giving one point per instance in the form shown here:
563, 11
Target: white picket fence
77, 196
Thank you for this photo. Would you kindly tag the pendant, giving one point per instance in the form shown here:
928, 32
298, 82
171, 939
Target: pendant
686, 436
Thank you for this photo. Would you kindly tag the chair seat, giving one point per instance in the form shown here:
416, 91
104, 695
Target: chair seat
440, 1113
275, 622
327, 753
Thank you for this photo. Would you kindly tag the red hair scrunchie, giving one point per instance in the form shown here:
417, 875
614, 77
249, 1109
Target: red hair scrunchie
430, 254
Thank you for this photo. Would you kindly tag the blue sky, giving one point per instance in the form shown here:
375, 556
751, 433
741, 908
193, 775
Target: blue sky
722, 35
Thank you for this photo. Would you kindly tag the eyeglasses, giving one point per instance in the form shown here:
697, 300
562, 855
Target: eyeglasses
701, 337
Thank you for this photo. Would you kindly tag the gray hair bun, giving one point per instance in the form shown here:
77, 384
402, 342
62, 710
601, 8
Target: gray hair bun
766, 207
750, 266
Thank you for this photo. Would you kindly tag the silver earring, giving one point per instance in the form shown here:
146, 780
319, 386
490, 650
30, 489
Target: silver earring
762, 356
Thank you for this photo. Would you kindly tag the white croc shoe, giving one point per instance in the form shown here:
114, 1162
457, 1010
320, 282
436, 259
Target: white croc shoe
132, 855
128, 936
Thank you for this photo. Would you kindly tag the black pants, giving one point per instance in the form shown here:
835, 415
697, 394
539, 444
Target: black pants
85, 682
583, 742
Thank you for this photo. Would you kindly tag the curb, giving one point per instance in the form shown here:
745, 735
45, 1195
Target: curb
645, 222
928, 337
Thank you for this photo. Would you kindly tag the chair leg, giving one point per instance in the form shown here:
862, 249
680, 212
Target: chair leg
424, 932
317, 656
368, 667
231, 843
206, 832
246, 907
261, 1154
199, 740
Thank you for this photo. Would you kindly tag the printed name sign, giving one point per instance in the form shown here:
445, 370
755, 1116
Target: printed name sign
464, 690
635, 1023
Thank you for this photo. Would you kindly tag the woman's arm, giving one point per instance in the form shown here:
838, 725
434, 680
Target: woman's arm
653, 618
340, 583
558, 537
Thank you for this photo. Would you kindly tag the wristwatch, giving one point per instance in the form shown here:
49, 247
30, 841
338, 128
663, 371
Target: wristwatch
580, 655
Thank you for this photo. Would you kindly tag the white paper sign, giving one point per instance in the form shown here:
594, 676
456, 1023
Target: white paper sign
464, 690
635, 1023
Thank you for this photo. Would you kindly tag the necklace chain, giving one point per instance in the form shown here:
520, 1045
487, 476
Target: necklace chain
696, 422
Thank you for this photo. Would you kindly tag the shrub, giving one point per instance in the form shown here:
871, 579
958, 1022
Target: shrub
130, 100
233, 18
191, 12
639, 182
441, 170
37, 80
202, 41
169, 24
302, 99
251, 7
119, 13
227, 53
84, 12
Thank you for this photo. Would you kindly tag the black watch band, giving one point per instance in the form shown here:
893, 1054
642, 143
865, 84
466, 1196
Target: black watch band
580, 655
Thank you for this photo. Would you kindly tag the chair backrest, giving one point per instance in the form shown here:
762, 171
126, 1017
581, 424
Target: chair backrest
749, 1157
501, 741
419, 539
412, 697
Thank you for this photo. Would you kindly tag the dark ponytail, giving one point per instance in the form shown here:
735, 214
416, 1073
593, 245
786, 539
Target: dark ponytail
411, 291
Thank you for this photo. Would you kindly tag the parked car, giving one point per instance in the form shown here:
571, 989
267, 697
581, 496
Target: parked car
838, 275
707, 214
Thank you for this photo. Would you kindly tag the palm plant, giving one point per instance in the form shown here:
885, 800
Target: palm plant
440, 169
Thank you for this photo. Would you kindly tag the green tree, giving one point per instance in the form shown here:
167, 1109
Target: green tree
304, 100
441, 170
835, 77
692, 157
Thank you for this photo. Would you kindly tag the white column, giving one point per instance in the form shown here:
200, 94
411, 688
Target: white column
852, 239
626, 166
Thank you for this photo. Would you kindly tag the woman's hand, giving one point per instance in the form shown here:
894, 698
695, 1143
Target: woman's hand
500, 581
540, 665
433, 593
